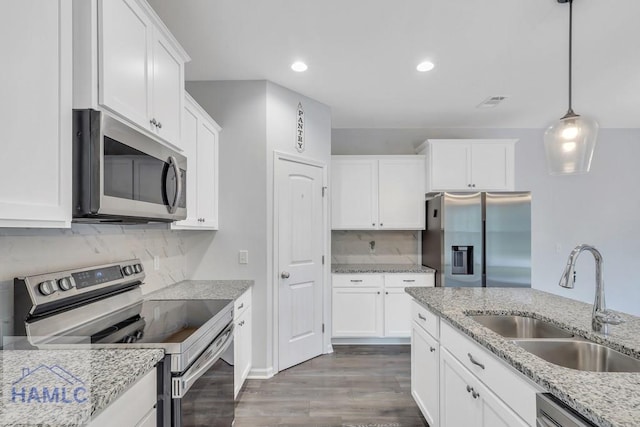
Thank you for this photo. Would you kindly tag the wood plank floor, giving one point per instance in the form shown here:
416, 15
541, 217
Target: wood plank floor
356, 386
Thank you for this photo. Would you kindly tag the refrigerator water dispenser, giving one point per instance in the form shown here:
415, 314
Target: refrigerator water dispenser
462, 260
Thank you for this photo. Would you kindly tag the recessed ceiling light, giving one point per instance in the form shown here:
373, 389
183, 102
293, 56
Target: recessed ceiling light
299, 66
425, 66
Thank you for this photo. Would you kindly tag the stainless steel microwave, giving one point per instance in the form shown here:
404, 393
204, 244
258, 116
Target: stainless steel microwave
122, 176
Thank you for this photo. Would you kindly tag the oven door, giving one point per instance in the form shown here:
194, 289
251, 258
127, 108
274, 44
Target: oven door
203, 394
119, 173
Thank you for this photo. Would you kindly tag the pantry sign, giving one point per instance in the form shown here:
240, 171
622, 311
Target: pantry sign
300, 128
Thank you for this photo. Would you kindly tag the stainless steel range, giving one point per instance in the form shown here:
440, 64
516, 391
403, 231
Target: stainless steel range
104, 304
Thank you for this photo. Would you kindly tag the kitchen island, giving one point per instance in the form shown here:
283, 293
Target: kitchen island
607, 399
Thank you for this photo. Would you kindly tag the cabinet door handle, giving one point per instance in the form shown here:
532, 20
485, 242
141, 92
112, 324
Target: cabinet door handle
469, 388
432, 349
474, 361
378, 292
474, 186
386, 292
240, 306
475, 394
469, 185
373, 223
381, 224
408, 280
421, 317
153, 122
160, 127
356, 281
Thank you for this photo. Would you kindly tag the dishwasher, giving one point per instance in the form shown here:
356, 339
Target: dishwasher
551, 412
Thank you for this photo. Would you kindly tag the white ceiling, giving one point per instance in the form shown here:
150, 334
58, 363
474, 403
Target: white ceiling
362, 56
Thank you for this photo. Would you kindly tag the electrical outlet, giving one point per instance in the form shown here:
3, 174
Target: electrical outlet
156, 262
243, 256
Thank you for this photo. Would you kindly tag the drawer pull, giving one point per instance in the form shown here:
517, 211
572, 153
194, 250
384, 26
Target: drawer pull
355, 281
474, 361
421, 317
408, 280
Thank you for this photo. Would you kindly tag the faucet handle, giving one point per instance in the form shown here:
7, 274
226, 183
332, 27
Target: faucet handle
609, 317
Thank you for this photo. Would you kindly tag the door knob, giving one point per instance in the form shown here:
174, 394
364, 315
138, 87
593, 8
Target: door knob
284, 274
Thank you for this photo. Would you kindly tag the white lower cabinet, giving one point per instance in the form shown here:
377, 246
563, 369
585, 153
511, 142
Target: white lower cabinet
242, 348
455, 382
135, 407
374, 305
465, 401
425, 373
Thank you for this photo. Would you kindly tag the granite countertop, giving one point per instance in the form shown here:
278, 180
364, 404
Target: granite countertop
202, 289
99, 376
379, 268
607, 399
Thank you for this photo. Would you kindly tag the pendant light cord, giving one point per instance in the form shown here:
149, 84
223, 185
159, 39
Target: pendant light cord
570, 111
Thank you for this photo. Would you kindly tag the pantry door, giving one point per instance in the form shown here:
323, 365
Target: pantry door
300, 219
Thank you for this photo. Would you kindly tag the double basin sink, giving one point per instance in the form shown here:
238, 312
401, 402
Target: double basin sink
558, 346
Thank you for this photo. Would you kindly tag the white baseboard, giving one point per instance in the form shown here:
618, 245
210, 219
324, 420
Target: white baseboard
371, 341
329, 349
260, 374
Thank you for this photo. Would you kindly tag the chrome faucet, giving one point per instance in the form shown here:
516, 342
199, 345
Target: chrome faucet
601, 317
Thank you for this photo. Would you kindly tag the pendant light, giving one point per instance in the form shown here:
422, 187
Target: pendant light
569, 142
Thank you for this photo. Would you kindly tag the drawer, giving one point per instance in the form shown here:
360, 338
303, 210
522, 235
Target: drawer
511, 386
349, 280
241, 304
404, 280
426, 319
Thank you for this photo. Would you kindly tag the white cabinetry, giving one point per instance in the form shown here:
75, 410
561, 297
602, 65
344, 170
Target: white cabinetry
136, 407
373, 305
377, 192
465, 401
242, 340
200, 142
475, 387
36, 41
127, 62
425, 372
470, 165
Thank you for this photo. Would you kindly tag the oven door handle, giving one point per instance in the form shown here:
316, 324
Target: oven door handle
181, 385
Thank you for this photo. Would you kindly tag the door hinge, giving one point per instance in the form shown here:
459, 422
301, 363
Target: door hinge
323, 328
324, 190
322, 259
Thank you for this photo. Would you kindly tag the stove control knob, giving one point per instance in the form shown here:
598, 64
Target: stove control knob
47, 287
137, 268
128, 270
65, 284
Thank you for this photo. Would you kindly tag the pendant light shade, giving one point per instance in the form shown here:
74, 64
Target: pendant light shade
569, 143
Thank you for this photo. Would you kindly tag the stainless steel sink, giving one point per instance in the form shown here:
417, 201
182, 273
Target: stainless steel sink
521, 327
580, 355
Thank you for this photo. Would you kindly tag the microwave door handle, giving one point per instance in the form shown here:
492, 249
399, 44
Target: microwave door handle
181, 385
174, 164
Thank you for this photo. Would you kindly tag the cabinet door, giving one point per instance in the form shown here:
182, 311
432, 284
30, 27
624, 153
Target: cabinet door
354, 198
492, 166
397, 313
425, 373
401, 194
168, 91
124, 46
207, 175
36, 107
449, 166
495, 413
457, 405
242, 350
357, 312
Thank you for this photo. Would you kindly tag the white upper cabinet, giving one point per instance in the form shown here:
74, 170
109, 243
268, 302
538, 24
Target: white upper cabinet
36, 42
127, 62
200, 142
377, 192
470, 165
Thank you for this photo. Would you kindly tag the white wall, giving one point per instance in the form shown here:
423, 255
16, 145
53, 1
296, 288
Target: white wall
601, 208
257, 117
27, 252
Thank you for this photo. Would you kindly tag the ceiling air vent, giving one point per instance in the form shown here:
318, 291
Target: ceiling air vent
491, 102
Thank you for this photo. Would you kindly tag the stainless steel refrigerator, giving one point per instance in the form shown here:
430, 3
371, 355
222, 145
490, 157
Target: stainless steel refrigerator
479, 239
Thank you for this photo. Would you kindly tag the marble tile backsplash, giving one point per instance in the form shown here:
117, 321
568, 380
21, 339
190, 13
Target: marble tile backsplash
25, 252
375, 247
